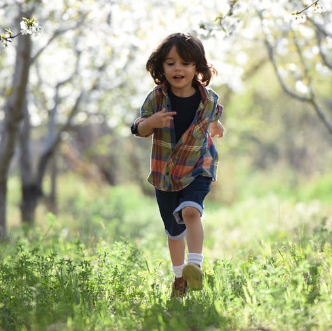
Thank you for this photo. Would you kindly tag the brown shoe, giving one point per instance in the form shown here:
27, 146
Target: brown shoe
179, 288
194, 276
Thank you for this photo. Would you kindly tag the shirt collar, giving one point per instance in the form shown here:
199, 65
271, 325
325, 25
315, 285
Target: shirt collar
202, 90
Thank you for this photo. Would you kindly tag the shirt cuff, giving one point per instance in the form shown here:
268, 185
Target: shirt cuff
134, 128
218, 113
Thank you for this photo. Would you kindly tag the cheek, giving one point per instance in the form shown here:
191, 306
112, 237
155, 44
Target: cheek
165, 70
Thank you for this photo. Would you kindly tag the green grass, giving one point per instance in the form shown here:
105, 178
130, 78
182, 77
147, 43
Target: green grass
103, 265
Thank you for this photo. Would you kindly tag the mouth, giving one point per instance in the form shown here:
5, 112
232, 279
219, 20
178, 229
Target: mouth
178, 77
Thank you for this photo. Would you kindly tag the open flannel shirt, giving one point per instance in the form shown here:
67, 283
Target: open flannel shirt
174, 165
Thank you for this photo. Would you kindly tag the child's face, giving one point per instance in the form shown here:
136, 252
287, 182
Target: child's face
179, 73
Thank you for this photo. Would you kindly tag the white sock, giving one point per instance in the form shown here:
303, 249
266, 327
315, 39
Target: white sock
195, 258
178, 270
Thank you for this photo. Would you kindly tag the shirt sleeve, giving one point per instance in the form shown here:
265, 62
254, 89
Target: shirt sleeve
148, 106
217, 113
147, 110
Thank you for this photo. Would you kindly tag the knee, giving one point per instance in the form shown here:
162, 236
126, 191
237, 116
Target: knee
190, 214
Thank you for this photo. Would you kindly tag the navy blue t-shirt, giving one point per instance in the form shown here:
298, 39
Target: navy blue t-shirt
185, 111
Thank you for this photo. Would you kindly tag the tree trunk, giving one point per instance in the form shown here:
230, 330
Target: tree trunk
3, 207
52, 198
30, 189
30, 196
13, 110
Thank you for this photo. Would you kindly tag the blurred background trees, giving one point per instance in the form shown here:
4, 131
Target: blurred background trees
85, 80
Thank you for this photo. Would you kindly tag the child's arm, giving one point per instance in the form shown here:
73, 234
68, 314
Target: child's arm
216, 128
159, 119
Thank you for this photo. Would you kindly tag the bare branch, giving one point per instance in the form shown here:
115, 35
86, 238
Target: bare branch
321, 52
57, 100
56, 35
319, 27
280, 79
49, 151
310, 100
275, 66
306, 8
321, 114
320, 31
304, 65
318, 109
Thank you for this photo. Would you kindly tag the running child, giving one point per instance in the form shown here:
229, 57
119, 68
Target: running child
182, 114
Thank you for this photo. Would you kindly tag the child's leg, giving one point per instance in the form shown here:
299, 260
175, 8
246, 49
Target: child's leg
190, 211
177, 251
195, 233
195, 236
167, 202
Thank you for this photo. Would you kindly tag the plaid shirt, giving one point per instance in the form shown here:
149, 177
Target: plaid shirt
174, 165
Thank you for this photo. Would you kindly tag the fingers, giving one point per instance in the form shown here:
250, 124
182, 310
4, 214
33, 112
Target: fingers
168, 114
217, 134
163, 111
162, 118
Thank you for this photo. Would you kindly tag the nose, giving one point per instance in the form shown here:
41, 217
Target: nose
177, 66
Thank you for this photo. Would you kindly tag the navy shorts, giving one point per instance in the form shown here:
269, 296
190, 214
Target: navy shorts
171, 205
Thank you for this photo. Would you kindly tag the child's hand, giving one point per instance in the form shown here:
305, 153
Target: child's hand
160, 119
155, 121
216, 128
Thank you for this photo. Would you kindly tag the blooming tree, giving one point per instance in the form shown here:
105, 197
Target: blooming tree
89, 66
297, 41
51, 95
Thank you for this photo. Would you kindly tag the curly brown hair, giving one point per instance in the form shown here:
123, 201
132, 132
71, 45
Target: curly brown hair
190, 49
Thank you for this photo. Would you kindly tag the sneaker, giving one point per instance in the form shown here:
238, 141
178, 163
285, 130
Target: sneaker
194, 276
179, 288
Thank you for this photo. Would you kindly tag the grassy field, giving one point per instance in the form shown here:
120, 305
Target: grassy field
103, 264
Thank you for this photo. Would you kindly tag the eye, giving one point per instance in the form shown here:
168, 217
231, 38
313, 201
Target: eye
169, 63
186, 63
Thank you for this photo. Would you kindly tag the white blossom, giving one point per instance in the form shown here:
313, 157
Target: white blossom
299, 18
4, 40
319, 9
24, 28
30, 27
